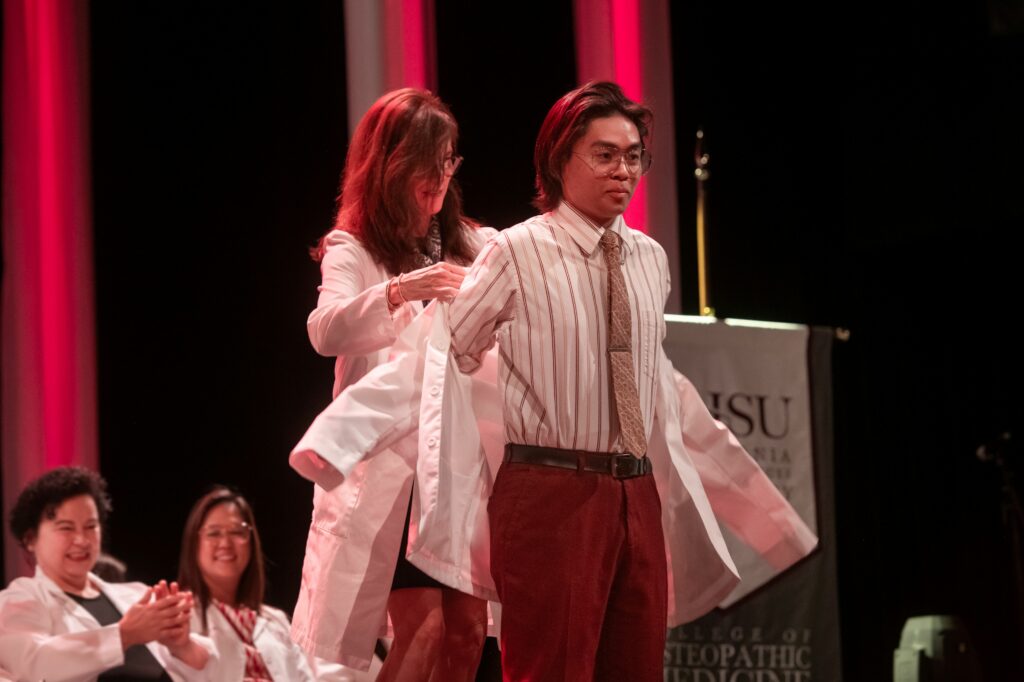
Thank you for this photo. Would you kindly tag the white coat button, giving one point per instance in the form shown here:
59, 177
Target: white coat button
432, 441
435, 391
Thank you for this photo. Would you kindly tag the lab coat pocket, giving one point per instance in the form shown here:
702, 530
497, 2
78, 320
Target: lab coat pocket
332, 509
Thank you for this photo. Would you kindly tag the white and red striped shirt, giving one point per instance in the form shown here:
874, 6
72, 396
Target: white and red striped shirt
243, 621
542, 286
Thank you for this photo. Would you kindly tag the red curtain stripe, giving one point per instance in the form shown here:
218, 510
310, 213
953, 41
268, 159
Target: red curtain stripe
48, 347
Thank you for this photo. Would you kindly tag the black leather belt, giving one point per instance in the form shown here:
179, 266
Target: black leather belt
615, 464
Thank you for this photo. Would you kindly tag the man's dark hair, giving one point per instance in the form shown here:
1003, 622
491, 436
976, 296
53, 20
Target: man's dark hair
41, 497
567, 122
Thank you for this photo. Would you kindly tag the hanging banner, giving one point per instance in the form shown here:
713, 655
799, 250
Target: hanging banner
771, 385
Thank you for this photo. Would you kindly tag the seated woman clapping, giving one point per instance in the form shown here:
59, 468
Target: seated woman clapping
222, 564
65, 623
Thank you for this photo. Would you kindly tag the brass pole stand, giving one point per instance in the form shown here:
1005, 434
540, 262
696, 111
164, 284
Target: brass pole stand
701, 173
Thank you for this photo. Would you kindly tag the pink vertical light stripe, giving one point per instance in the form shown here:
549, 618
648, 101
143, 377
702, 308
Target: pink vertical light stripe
48, 352
414, 61
408, 44
626, 40
609, 40
636, 214
57, 333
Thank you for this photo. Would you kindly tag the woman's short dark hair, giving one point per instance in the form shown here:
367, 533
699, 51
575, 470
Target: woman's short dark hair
253, 581
41, 497
400, 140
567, 122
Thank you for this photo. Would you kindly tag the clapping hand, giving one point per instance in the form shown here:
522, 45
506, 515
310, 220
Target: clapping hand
162, 614
176, 634
158, 613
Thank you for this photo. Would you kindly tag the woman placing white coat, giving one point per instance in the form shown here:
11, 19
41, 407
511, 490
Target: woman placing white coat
399, 240
64, 623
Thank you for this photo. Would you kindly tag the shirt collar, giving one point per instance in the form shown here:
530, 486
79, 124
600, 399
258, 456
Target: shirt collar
586, 233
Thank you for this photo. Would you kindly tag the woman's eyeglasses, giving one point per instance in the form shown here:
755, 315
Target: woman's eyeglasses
239, 533
451, 164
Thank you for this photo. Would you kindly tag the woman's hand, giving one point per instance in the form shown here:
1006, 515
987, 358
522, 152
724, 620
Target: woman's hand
176, 636
162, 615
441, 280
155, 613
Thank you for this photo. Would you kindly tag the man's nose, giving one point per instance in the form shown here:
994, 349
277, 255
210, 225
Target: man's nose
620, 170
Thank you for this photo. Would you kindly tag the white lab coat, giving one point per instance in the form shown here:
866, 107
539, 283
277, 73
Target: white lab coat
421, 403
47, 635
357, 521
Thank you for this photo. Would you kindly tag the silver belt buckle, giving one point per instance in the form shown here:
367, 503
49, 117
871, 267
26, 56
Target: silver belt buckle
625, 465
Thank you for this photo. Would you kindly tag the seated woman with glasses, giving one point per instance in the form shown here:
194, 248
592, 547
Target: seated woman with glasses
222, 563
65, 623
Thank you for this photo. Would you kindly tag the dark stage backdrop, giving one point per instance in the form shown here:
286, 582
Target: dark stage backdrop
219, 132
500, 85
865, 174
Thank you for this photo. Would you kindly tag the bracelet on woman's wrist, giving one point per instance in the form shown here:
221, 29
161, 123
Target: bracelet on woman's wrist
398, 285
395, 282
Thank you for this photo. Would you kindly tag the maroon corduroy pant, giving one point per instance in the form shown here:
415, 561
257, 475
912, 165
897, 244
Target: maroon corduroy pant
578, 559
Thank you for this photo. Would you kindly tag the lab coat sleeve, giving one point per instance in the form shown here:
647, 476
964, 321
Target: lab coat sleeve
485, 301
29, 651
741, 494
375, 412
351, 316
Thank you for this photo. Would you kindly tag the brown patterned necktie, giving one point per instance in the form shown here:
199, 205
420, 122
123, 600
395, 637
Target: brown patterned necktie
620, 352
